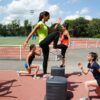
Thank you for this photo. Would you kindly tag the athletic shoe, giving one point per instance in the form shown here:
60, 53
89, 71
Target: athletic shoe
84, 98
46, 76
36, 77
18, 73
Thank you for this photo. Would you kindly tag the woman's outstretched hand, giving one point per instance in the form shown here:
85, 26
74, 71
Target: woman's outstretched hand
59, 20
57, 23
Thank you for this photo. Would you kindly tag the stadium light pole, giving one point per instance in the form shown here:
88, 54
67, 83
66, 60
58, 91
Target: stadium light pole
32, 12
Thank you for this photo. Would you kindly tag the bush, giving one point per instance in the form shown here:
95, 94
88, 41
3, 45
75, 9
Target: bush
97, 36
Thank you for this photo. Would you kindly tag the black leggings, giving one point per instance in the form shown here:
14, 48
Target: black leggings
44, 44
63, 49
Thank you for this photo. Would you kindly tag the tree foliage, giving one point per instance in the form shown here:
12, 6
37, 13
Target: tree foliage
79, 27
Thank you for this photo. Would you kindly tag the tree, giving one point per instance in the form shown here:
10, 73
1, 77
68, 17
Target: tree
27, 27
94, 28
79, 27
3, 30
1, 33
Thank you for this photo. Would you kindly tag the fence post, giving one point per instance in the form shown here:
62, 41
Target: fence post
20, 52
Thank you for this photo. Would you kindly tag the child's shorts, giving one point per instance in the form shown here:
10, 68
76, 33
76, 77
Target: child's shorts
26, 66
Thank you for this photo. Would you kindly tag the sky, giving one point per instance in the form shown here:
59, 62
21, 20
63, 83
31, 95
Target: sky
65, 9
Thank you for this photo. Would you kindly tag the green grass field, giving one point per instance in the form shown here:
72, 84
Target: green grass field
15, 40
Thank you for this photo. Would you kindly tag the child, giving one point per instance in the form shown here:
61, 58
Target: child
65, 41
30, 57
94, 67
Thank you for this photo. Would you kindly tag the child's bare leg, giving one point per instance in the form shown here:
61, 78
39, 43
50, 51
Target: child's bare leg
29, 70
88, 84
36, 70
63, 61
23, 72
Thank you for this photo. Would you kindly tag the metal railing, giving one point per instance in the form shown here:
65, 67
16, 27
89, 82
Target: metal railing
18, 52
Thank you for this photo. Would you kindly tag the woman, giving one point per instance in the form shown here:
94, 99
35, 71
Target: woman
44, 38
94, 67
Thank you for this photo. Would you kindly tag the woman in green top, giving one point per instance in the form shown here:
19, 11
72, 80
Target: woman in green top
44, 38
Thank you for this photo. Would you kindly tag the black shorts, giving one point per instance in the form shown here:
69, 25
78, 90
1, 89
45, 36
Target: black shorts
98, 81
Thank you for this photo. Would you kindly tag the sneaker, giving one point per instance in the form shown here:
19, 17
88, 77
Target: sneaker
84, 98
36, 77
18, 73
46, 76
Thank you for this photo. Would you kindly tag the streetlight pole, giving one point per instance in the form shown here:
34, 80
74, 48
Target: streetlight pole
32, 12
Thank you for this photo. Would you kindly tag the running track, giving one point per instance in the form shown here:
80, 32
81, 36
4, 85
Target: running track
26, 88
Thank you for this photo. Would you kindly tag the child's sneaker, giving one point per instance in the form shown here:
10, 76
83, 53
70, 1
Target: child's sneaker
84, 98
35, 77
18, 73
46, 75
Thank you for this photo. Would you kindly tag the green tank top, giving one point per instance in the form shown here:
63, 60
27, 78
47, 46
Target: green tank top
42, 31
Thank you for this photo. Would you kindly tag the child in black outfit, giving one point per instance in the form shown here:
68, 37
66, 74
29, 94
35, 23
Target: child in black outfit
94, 67
30, 57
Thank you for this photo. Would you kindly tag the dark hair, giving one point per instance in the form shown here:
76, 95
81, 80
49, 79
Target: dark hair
42, 14
94, 55
66, 25
32, 46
